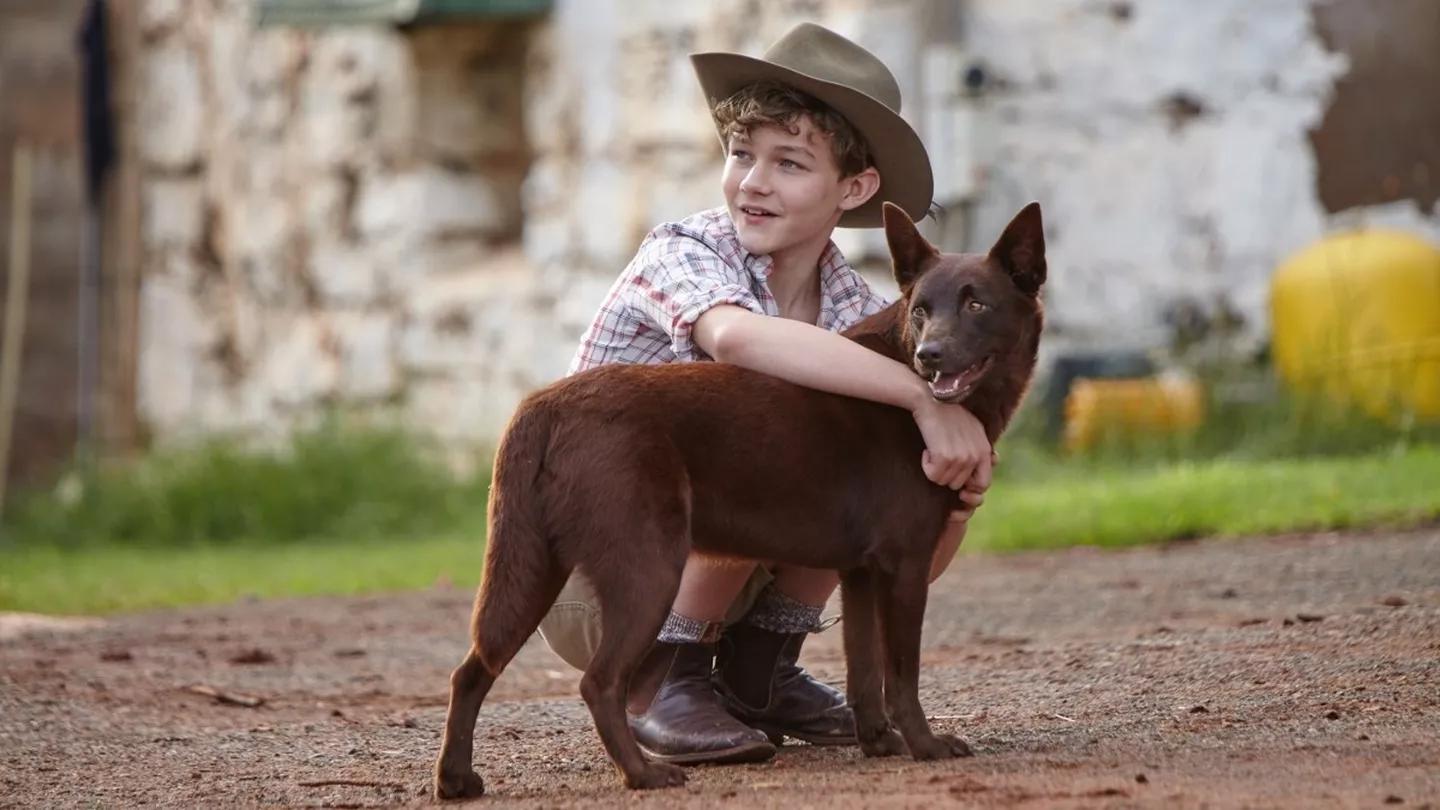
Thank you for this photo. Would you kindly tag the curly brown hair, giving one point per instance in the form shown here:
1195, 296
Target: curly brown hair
772, 103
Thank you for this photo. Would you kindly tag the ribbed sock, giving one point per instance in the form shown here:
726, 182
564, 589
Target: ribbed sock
685, 630
778, 613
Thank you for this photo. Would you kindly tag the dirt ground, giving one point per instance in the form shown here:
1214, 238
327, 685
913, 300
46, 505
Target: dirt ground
1295, 671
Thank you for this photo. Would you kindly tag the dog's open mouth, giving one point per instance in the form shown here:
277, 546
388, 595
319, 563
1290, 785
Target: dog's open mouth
952, 386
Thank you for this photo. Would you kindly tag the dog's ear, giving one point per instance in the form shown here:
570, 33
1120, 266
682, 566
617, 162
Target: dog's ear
1021, 249
909, 251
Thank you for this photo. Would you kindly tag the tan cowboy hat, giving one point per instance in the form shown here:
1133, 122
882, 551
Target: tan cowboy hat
854, 83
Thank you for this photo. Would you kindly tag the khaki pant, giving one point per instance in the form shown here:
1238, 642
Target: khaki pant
572, 627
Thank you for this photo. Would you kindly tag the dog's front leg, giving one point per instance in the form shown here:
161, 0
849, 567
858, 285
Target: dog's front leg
902, 611
864, 678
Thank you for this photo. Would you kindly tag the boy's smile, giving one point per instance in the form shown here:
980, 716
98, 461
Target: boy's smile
784, 190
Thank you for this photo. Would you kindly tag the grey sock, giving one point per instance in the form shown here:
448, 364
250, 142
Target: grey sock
685, 630
778, 613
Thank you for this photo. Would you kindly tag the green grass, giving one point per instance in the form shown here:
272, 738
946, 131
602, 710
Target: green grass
345, 509
352, 510
1113, 506
332, 482
1092, 504
101, 579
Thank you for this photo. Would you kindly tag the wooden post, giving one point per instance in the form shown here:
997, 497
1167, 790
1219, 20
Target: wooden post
17, 299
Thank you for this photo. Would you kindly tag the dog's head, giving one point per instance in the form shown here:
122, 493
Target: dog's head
963, 312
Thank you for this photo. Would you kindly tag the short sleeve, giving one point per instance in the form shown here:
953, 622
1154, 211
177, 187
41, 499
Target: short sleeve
678, 278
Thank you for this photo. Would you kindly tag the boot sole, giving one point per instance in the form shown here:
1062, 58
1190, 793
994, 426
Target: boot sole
750, 752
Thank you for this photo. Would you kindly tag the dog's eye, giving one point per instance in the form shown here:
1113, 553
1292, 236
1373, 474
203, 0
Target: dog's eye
917, 312
976, 306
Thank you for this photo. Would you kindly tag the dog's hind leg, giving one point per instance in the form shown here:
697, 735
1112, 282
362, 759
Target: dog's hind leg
864, 678
521, 581
901, 599
631, 614
496, 638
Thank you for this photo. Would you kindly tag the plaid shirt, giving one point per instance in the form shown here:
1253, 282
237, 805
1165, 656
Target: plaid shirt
682, 270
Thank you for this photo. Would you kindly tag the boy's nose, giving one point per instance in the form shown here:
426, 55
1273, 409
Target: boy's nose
755, 182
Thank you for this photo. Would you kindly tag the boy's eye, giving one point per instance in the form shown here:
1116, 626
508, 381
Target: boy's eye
918, 312
790, 164
739, 154
976, 306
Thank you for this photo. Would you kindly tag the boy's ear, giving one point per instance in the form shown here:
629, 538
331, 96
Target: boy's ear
859, 189
909, 251
1021, 249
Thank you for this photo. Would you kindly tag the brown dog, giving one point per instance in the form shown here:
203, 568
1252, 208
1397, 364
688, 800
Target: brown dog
619, 472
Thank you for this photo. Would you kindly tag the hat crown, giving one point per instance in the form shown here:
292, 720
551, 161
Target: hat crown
823, 54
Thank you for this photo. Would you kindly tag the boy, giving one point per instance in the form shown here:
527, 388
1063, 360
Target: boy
814, 141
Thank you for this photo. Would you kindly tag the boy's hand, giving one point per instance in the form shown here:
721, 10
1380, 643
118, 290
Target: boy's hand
973, 493
970, 500
956, 448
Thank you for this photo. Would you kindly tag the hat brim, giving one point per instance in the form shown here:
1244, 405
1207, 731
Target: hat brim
906, 178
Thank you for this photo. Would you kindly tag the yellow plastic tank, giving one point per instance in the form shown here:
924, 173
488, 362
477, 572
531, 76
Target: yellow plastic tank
1150, 406
1356, 318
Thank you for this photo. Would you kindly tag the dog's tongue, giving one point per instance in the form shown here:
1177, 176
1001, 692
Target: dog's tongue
947, 385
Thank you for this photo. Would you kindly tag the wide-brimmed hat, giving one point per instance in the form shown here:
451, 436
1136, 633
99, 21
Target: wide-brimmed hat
854, 83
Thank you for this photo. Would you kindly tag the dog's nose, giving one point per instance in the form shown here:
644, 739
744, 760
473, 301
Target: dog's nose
928, 354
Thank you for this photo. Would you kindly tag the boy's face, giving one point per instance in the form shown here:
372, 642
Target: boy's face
784, 190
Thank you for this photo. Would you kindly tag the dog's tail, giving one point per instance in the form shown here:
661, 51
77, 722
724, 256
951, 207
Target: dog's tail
521, 574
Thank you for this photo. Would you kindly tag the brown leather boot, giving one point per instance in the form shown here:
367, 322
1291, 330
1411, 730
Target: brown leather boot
686, 724
762, 685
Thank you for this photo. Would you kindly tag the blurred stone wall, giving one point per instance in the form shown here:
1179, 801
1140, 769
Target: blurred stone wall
330, 219
422, 222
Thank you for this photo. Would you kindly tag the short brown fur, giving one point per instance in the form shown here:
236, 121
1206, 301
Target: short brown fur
619, 472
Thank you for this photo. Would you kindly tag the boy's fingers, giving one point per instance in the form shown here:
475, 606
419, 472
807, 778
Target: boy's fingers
950, 477
954, 469
963, 473
984, 474
935, 470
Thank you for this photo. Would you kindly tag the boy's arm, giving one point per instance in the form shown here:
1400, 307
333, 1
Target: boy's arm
956, 446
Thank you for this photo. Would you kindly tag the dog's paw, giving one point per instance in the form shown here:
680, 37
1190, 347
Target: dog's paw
942, 746
958, 747
888, 744
655, 775
464, 785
